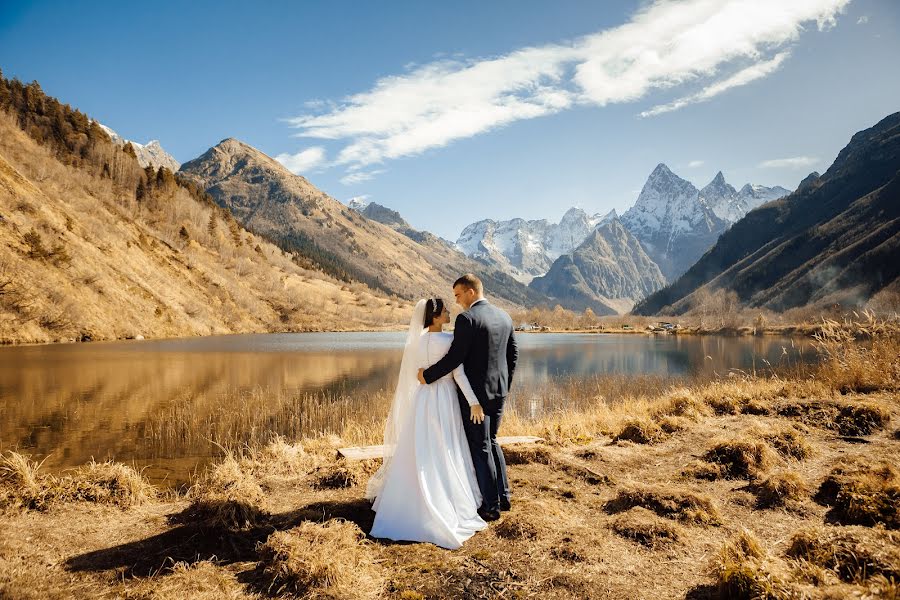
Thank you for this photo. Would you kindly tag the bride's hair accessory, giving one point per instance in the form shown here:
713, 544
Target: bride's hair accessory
433, 305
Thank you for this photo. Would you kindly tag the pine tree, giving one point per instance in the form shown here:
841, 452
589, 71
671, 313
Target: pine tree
211, 226
5, 95
235, 233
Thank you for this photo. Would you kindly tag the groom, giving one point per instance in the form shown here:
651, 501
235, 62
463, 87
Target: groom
484, 344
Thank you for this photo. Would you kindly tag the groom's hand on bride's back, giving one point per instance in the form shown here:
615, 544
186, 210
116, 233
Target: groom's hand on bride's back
422, 377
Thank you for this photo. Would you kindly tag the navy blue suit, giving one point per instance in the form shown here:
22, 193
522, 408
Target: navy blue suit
483, 342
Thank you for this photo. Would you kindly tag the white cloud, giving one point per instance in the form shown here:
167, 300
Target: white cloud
862, 20
794, 162
303, 161
695, 163
742, 77
664, 45
360, 176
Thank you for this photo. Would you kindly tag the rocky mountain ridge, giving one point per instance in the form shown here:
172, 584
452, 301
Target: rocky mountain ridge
149, 154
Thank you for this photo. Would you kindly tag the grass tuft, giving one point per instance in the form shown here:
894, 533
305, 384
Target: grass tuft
744, 574
646, 528
328, 560
202, 580
641, 431
22, 485
343, 474
853, 553
740, 458
228, 497
862, 418
108, 483
862, 494
524, 454
788, 441
667, 502
514, 527
779, 488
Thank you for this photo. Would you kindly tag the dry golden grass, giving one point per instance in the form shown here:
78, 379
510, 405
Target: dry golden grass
642, 431
853, 553
228, 496
869, 366
108, 483
518, 527
328, 560
646, 528
742, 458
202, 580
744, 573
779, 488
24, 485
787, 440
669, 502
580, 527
863, 493
344, 474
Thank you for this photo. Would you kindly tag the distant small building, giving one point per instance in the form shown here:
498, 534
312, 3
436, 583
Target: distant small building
526, 327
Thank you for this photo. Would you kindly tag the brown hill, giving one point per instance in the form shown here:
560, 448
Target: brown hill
91, 247
286, 208
606, 273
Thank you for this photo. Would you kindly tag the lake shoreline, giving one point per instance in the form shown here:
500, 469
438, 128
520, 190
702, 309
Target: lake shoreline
802, 330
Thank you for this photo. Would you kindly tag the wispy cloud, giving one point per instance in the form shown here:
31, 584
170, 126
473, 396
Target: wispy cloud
664, 45
793, 162
742, 77
303, 161
696, 163
360, 176
862, 20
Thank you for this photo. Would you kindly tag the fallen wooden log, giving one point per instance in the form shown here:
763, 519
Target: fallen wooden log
369, 452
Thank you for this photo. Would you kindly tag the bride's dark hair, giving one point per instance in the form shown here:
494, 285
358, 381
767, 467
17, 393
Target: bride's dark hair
433, 308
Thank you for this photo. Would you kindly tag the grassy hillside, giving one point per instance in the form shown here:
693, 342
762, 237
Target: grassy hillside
95, 247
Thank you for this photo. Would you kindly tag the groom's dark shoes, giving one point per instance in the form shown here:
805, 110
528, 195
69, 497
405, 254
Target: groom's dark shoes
505, 505
488, 515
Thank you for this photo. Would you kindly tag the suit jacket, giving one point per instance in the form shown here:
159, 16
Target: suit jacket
484, 344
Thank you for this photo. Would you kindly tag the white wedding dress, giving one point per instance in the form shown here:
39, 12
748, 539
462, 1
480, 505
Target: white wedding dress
426, 491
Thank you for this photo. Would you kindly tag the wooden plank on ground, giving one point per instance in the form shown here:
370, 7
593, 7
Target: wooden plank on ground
369, 452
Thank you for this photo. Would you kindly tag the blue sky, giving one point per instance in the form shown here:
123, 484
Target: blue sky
454, 112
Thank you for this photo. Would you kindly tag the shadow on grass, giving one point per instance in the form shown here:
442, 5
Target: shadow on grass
191, 543
703, 592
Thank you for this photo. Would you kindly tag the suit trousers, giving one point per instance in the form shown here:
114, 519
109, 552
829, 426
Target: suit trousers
487, 456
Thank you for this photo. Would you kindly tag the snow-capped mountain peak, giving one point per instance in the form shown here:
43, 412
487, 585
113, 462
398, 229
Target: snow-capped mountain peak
149, 154
676, 222
525, 248
358, 203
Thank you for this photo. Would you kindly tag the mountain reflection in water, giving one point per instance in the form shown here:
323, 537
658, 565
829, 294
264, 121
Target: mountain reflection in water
159, 404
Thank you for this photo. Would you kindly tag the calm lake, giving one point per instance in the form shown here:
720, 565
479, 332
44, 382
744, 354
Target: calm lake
160, 404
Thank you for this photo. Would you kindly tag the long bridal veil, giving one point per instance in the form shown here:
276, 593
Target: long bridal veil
402, 405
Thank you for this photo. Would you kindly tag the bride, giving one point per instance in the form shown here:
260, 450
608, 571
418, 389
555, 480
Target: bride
426, 490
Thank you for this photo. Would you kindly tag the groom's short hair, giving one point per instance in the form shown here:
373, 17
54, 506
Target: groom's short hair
471, 282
